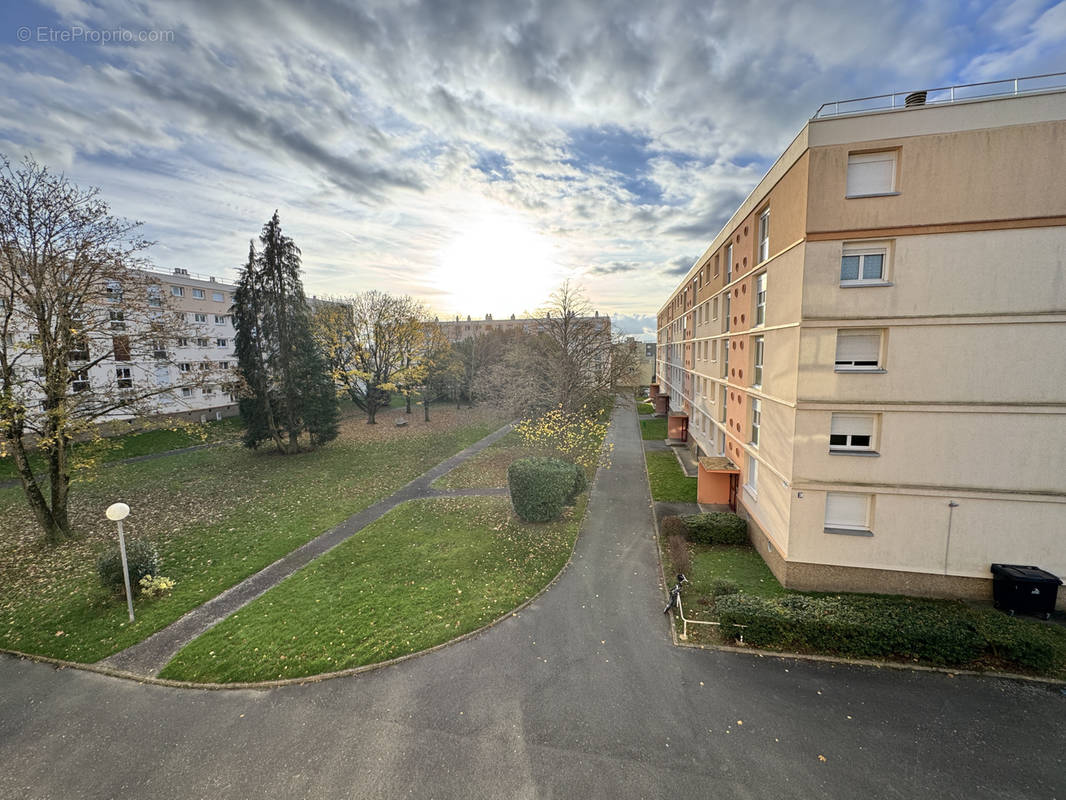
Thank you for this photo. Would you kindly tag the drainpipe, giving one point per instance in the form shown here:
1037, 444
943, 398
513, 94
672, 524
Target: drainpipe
952, 505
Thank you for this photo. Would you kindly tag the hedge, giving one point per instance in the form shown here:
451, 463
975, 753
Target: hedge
718, 527
949, 634
541, 487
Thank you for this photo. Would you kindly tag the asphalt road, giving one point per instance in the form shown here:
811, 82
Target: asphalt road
579, 696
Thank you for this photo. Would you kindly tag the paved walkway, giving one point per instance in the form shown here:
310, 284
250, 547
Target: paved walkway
579, 695
150, 656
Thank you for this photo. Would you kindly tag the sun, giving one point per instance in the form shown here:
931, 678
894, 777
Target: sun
497, 264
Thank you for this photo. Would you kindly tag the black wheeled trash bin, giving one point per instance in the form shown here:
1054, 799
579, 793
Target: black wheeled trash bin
1027, 589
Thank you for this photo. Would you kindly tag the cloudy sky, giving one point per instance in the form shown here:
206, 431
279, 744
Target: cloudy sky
473, 154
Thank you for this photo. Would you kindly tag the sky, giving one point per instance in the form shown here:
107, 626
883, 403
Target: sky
471, 154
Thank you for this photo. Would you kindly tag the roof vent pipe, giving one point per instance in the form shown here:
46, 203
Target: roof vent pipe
914, 99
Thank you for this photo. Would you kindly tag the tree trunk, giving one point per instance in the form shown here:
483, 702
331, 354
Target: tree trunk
408, 403
371, 412
53, 532
425, 406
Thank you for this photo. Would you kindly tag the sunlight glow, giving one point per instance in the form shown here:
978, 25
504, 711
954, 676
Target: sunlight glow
498, 265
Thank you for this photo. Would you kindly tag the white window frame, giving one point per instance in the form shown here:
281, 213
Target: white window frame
218, 297
862, 252
124, 375
758, 357
199, 294
197, 317
764, 236
220, 319
851, 426
752, 482
841, 523
202, 343
855, 179
756, 420
221, 343
729, 262
186, 391
853, 365
760, 299
177, 291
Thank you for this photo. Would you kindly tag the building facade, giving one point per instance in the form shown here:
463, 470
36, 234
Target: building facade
869, 354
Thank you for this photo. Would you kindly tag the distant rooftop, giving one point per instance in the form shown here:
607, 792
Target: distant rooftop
944, 95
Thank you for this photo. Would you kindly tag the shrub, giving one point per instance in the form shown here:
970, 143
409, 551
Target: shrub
720, 587
141, 557
719, 527
155, 585
673, 526
540, 487
679, 557
645, 408
1027, 644
581, 483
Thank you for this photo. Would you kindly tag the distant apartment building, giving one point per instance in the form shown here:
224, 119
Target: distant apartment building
198, 364
458, 329
869, 356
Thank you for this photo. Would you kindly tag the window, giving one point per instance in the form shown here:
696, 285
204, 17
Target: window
753, 475
220, 342
118, 320
714, 350
729, 263
764, 236
184, 366
725, 310
120, 346
760, 299
198, 294
714, 308
186, 392
162, 375
217, 297
79, 380
209, 391
847, 511
756, 420
725, 358
159, 349
202, 343
114, 291
223, 365
858, 350
183, 342
871, 174
79, 348
177, 291
155, 299
852, 433
200, 317
757, 357
721, 406
859, 265
205, 366
220, 319
124, 377
717, 257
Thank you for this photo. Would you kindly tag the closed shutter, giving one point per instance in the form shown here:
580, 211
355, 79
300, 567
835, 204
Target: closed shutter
852, 425
860, 348
845, 510
871, 173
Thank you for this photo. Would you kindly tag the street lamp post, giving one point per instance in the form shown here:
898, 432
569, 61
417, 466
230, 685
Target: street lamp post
117, 512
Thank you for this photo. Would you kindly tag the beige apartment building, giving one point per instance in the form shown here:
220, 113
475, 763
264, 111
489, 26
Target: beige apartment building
869, 356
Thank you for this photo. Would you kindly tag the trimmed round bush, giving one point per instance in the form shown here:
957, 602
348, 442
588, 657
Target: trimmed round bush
540, 487
718, 527
581, 483
142, 558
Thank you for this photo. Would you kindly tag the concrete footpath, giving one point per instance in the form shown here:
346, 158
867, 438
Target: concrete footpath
579, 695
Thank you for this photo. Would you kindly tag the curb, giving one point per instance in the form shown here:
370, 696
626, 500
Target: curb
814, 657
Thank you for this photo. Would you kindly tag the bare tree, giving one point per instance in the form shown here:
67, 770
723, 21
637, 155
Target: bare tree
82, 329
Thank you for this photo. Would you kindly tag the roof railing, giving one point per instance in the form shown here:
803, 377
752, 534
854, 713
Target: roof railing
180, 272
944, 95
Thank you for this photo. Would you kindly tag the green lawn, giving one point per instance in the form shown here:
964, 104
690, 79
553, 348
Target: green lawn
428, 571
217, 516
645, 408
668, 481
142, 443
653, 429
487, 469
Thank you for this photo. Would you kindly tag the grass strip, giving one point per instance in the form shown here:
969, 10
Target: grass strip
668, 482
428, 571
